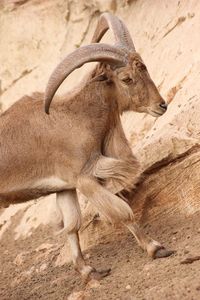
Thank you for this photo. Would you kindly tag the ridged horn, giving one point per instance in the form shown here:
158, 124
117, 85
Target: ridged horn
118, 28
91, 53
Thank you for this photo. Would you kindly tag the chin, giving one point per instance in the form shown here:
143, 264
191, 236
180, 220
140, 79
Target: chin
155, 113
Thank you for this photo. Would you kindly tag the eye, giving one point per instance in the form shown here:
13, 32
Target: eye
127, 80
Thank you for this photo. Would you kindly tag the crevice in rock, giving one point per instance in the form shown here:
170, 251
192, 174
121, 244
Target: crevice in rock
85, 32
169, 160
178, 22
175, 89
22, 75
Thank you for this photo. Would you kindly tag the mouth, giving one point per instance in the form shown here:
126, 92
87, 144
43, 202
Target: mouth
155, 113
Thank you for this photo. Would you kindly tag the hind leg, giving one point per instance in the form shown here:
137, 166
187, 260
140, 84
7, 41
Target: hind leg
68, 205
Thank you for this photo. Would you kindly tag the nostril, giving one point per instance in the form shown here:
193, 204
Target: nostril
163, 105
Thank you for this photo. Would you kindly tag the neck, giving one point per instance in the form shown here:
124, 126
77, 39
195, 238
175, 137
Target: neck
123, 104
91, 95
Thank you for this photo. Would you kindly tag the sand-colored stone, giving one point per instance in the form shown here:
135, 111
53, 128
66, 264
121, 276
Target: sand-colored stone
36, 35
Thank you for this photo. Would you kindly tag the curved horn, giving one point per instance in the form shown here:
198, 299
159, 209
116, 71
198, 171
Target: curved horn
91, 53
118, 28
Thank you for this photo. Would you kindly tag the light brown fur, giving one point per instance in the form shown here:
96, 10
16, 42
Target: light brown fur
82, 145
80, 129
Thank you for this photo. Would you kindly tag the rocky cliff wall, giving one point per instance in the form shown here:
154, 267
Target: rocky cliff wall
36, 35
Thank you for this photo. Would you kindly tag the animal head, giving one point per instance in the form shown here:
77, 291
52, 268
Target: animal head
135, 88
122, 65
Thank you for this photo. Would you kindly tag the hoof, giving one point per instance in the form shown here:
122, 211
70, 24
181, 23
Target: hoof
162, 252
97, 275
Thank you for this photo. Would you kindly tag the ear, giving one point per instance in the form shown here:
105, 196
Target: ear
100, 77
104, 73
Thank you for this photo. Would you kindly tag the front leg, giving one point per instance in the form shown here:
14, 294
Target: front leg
123, 171
117, 148
153, 248
115, 210
117, 174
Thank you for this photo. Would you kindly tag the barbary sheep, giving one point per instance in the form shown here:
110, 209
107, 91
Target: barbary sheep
79, 142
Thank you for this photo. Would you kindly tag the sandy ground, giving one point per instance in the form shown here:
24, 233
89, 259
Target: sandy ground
27, 273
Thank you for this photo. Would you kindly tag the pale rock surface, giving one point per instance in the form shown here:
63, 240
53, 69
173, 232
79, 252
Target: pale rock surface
41, 33
43, 212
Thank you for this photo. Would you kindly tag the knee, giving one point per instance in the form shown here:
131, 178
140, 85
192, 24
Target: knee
72, 223
86, 185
